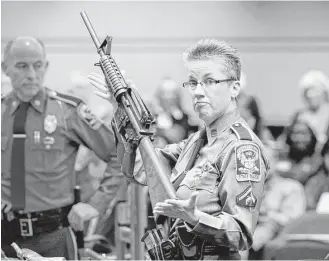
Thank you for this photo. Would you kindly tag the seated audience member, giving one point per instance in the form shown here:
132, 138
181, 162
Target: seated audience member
319, 182
250, 111
172, 121
315, 92
300, 157
284, 200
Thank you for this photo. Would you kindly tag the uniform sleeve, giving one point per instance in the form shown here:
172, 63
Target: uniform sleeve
239, 196
168, 156
110, 185
85, 128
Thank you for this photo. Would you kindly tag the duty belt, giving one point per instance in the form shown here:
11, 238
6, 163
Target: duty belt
34, 223
183, 245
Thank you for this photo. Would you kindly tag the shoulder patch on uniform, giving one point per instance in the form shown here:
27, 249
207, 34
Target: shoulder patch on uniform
248, 162
88, 117
241, 131
74, 101
246, 199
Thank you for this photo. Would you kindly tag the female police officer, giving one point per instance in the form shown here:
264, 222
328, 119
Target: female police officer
220, 195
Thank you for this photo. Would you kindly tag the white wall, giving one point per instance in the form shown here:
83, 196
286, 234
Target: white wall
278, 41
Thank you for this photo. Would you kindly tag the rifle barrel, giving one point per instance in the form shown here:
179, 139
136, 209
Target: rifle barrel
90, 29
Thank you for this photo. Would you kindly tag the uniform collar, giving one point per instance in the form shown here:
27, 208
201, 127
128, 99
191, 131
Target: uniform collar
38, 102
221, 124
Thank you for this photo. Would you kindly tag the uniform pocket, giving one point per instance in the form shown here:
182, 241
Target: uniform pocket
206, 181
46, 152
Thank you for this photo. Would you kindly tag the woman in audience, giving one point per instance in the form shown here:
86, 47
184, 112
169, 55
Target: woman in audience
314, 87
300, 157
319, 182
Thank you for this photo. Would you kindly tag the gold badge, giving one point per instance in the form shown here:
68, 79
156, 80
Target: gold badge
50, 123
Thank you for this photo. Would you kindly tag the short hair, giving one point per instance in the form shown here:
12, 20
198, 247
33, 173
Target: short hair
6, 51
206, 49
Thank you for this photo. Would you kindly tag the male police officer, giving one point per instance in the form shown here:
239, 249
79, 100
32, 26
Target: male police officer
220, 195
40, 135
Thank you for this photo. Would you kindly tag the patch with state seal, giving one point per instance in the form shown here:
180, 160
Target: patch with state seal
87, 116
248, 165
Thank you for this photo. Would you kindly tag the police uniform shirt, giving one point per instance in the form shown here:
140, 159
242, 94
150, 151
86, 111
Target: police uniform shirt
229, 175
56, 125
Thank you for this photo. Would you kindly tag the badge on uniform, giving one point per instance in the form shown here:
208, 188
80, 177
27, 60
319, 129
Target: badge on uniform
87, 116
246, 199
247, 157
50, 123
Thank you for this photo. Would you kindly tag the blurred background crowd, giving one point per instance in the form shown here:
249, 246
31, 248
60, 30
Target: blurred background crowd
284, 97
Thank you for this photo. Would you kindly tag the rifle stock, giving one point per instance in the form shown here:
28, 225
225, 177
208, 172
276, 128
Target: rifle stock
133, 121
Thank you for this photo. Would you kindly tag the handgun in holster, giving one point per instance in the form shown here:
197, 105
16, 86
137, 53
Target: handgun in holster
158, 247
190, 245
181, 244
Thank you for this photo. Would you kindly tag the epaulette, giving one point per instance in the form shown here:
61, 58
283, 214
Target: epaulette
74, 101
241, 131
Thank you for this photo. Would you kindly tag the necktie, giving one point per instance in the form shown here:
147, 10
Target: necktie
18, 158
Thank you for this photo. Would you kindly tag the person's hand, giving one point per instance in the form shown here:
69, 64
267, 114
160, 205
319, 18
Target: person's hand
177, 208
6, 206
84, 157
100, 88
80, 213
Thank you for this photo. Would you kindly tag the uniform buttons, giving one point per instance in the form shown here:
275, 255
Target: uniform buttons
14, 103
47, 146
37, 102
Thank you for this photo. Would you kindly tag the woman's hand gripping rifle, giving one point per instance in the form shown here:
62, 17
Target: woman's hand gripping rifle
132, 120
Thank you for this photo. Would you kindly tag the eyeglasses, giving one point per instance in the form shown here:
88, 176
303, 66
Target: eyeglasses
191, 85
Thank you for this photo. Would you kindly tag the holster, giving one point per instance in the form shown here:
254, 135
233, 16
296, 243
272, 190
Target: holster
190, 245
158, 248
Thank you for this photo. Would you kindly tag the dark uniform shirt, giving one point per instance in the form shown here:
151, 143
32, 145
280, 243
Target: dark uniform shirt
229, 175
55, 127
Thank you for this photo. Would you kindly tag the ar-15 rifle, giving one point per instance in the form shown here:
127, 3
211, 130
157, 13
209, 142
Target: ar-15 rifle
133, 121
